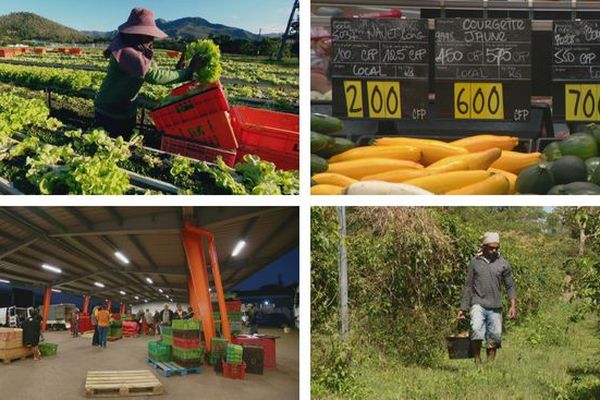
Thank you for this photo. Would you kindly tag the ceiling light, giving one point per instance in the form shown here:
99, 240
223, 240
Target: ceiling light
99, 284
51, 268
57, 290
160, 290
136, 297
121, 257
4, 281
238, 247
149, 280
122, 292
145, 301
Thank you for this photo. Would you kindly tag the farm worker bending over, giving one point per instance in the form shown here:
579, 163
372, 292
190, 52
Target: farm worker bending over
131, 65
482, 298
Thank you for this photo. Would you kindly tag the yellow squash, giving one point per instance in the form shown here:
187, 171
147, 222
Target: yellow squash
326, 189
485, 142
357, 169
475, 161
432, 150
512, 179
515, 162
495, 184
400, 152
401, 175
325, 178
447, 181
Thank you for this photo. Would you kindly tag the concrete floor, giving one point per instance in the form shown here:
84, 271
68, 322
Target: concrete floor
62, 377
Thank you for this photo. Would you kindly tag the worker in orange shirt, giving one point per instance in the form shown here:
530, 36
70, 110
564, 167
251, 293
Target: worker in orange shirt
103, 323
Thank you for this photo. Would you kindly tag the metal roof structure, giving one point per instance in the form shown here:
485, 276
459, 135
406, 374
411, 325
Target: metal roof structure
82, 242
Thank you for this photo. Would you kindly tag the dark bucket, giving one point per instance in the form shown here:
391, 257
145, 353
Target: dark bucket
459, 347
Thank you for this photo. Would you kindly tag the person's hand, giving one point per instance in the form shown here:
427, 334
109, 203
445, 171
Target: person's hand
460, 316
512, 313
197, 62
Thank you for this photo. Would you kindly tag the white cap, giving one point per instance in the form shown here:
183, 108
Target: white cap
490, 237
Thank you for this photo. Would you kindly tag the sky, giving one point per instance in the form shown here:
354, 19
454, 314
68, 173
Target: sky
106, 15
286, 265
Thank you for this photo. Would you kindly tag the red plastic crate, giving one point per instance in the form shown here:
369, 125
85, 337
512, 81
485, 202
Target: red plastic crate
281, 160
187, 343
76, 51
196, 150
173, 54
6, 53
233, 305
234, 371
269, 130
39, 50
209, 100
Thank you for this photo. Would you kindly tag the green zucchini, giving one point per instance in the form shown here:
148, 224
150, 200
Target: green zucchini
325, 124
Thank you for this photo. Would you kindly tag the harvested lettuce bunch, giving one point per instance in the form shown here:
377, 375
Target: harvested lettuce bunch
211, 71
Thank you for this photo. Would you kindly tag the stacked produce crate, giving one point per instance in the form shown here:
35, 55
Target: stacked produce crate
159, 351
130, 328
233, 365
187, 346
11, 344
235, 316
198, 123
115, 331
218, 350
166, 333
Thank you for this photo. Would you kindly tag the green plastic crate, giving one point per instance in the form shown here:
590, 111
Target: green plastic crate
48, 349
235, 354
166, 330
186, 324
188, 354
159, 357
218, 344
234, 316
214, 358
167, 339
116, 324
217, 315
159, 348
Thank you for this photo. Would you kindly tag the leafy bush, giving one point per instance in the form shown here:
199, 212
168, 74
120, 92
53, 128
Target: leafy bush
211, 71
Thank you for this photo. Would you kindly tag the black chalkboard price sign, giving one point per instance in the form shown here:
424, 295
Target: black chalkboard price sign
379, 68
576, 70
483, 69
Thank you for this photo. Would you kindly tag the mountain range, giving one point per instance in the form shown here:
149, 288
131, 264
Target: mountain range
29, 26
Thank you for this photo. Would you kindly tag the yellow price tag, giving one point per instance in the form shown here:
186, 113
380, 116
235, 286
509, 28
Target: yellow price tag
582, 102
384, 99
478, 100
354, 99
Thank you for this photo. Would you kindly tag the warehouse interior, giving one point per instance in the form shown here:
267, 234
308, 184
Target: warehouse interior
131, 256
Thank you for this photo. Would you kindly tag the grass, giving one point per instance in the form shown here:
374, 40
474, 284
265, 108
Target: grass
529, 366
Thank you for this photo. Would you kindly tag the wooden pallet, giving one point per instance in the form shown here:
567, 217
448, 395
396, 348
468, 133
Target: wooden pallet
168, 369
122, 384
20, 353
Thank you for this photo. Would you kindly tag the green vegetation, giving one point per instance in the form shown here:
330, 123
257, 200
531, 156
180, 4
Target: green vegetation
406, 271
21, 26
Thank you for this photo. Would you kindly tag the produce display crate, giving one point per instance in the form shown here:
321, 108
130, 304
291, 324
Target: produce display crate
188, 354
166, 330
234, 354
40, 50
214, 358
235, 326
186, 324
159, 357
173, 54
76, 51
233, 306
234, 371
214, 130
159, 347
285, 161
218, 344
186, 333
48, 349
193, 363
217, 315
10, 334
167, 339
197, 151
254, 357
234, 316
265, 129
182, 343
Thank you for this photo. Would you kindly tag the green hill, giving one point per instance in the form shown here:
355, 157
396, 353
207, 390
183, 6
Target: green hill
28, 26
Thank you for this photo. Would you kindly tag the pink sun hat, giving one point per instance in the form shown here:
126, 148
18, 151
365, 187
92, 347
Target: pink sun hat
141, 22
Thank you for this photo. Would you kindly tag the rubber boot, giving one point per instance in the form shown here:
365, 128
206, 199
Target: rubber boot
476, 351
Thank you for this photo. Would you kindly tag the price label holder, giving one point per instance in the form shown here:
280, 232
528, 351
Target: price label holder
380, 68
483, 69
576, 70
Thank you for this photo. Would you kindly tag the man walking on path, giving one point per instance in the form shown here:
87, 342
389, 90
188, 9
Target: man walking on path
482, 297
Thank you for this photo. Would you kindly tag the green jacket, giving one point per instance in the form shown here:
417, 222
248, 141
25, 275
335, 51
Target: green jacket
117, 97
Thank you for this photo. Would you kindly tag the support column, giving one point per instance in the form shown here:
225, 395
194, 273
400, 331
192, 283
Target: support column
47, 299
214, 263
122, 308
194, 301
86, 304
